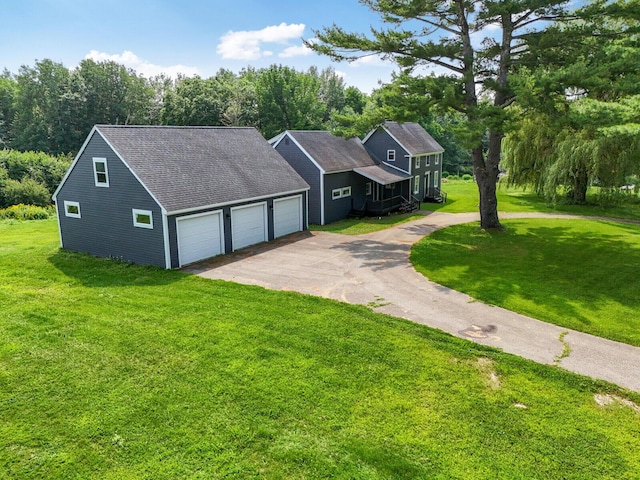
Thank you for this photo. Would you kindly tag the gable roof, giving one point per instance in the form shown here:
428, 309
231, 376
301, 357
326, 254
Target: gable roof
331, 153
186, 168
412, 137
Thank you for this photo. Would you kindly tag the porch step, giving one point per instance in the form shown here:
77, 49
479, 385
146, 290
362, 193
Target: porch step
408, 207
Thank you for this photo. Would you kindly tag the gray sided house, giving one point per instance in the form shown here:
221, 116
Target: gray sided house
396, 167
410, 149
328, 164
169, 196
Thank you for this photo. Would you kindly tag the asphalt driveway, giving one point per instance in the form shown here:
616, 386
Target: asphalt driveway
374, 270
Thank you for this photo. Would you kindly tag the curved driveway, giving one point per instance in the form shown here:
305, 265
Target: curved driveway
374, 269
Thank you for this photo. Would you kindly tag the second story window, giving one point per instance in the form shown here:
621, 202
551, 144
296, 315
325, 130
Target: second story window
100, 172
391, 155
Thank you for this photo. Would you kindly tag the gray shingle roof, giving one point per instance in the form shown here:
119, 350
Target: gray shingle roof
330, 152
192, 167
413, 137
382, 174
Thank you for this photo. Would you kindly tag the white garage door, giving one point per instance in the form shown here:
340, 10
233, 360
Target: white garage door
199, 236
287, 215
248, 225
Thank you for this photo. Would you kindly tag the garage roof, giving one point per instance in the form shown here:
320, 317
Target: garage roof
186, 168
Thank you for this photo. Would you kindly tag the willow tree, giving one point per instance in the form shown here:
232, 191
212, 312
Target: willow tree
579, 110
476, 44
598, 141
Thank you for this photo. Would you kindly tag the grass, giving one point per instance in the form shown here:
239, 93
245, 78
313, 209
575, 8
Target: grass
580, 274
109, 371
462, 196
359, 226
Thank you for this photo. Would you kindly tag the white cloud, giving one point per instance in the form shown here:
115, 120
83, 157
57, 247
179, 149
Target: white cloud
142, 67
295, 51
246, 45
371, 61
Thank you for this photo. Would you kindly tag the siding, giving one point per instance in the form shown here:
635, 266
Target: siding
378, 144
226, 215
307, 170
106, 227
340, 208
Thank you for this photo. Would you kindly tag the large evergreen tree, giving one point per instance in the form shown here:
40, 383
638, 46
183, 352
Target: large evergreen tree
477, 45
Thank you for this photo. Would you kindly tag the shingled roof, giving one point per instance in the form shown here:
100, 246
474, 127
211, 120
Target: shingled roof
330, 152
413, 138
191, 167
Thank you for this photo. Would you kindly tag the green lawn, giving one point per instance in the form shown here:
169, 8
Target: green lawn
113, 371
580, 274
359, 226
462, 196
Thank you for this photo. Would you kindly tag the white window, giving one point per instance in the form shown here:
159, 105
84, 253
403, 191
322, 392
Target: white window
72, 209
346, 191
391, 155
337, 193
100, 172
416, 185
417, 164
142, 218
368, 189
435, 179
438, 158
427, 162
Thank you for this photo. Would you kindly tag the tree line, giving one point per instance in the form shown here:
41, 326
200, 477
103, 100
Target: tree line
51, 108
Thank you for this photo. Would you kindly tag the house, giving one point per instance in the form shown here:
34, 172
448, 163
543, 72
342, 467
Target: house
355, 177
169, 196
409, 148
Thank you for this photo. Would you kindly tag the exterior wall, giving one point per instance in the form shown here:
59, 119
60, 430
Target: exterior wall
337, 209
226, 215
105, 228
307, 170
380, 142
433, 168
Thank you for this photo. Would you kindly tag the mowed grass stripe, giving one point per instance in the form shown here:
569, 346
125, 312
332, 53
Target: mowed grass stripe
579, 274
109, 370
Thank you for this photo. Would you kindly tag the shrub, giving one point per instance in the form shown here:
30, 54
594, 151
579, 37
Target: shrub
467, 177
453, 177
28, 192
445, 174
27, 212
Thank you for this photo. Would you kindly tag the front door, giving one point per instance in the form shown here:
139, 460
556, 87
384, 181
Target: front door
427, 185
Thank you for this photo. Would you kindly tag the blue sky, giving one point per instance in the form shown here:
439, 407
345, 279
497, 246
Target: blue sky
186, 36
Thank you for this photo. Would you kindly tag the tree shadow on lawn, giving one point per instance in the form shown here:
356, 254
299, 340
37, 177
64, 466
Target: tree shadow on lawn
594, 277
106, 272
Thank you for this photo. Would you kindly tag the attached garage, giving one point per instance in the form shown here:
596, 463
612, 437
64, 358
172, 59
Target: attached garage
249, 225
199, 236
287, 215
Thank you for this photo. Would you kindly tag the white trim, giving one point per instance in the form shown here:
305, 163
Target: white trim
416, 185
321, 198
436, 178
428, 160
73, 164
69, 203
397, 168
130, 169
81, 151
336, 193
233, 202
103, 160
288, 134
391, 153
276, 200
58, 222
136, 211
165, 234
265, 219
368, 188
188, 217
348, 189
416, 159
